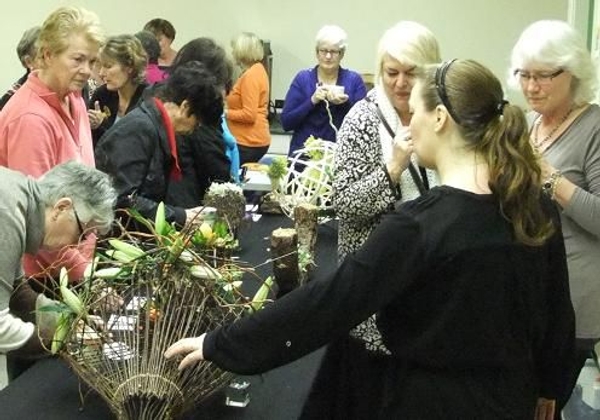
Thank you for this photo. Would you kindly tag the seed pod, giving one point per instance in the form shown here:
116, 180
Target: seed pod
62, 329
107, 273
204, 272
128, 249
160, 221
261, 294
68, 296
119, 256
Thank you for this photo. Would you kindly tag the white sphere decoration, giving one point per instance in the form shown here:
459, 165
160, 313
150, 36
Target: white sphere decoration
309, 178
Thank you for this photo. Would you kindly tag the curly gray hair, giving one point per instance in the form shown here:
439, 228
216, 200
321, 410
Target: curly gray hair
91, 190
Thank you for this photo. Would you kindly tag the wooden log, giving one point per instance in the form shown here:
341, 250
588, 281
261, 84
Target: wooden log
306, 223
284, 251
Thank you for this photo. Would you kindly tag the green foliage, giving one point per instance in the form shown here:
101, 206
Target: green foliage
278, 167
314, 154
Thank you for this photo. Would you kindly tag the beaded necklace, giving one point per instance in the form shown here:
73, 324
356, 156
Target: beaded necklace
539, 143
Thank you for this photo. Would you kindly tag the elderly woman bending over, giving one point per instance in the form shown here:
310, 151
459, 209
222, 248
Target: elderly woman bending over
52, 213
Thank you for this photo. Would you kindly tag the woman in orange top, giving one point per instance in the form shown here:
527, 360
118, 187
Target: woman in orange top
247, 103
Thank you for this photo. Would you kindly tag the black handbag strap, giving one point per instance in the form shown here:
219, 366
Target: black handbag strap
421, 180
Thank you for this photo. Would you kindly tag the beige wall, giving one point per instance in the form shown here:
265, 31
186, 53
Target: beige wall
478, 29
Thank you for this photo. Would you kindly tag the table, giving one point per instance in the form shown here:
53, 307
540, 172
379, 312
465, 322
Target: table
257, 181
49, 390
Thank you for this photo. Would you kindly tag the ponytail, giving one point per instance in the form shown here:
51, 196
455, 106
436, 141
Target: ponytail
515, 175
498, 132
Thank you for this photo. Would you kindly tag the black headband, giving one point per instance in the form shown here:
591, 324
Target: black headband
440, 85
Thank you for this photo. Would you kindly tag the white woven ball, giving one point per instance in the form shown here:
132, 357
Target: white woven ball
309, 178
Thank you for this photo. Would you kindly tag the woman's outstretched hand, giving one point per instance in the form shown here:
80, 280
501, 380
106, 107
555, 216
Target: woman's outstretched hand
190, 347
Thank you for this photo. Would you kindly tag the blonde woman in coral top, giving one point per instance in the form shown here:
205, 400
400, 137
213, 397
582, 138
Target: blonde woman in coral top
247, 103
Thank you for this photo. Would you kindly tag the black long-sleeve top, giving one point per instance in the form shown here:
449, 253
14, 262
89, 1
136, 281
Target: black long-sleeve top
463, 307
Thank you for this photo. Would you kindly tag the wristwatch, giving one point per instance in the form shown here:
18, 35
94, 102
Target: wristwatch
549, 185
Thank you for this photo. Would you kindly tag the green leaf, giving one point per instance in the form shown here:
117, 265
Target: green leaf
58, 308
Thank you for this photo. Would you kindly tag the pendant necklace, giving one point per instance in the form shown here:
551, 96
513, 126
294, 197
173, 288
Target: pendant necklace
539, 143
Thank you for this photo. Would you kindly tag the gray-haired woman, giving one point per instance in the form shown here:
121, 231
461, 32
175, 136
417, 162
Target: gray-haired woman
51, 213
554, 70
26, 51
323, 92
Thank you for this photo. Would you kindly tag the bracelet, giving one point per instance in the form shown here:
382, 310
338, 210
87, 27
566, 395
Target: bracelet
549, 186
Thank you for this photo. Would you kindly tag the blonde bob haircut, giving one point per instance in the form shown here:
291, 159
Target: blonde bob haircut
410, 43
247, 49
332, 35
555, 44
62, 23
127, 51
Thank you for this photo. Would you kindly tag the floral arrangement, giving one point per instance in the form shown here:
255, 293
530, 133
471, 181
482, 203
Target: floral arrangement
142, 293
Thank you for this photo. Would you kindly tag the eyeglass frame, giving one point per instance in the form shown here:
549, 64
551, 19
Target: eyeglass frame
334, 53
541, 80
82, 232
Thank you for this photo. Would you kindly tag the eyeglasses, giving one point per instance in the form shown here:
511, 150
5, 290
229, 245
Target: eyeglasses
333, 53
541, 79
82, 232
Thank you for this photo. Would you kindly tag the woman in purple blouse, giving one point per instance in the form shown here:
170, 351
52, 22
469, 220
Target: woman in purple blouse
320, 97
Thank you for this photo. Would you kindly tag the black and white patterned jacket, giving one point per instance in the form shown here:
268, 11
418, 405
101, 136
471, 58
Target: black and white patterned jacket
362, 188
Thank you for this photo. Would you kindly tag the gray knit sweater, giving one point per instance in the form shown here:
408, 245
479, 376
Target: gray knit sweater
577, 154
21, 231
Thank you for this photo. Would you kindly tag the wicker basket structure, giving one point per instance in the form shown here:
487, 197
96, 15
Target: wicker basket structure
169, 292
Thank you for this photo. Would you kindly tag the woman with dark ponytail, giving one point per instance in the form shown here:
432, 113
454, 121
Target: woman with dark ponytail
469, 281
495, 137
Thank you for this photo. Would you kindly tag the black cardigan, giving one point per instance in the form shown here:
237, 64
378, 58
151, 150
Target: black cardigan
136, 153
110, 99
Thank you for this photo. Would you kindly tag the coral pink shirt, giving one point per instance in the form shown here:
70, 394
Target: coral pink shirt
36, 134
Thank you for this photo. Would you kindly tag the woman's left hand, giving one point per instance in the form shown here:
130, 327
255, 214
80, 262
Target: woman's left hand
191, 347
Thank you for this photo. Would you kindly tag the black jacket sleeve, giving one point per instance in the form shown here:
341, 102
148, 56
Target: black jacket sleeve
203, 161
126, 152
311, 316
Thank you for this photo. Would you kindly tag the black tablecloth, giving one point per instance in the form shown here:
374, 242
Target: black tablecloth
50, 390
